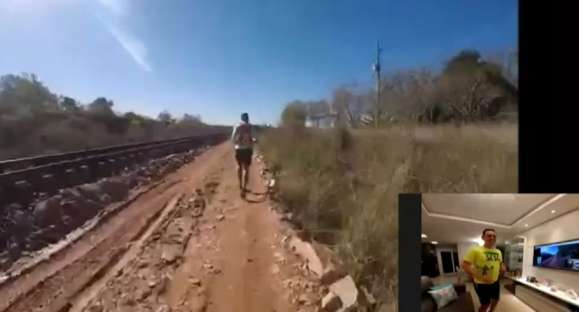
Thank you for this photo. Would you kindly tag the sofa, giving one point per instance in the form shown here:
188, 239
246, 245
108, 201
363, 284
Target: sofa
462, 304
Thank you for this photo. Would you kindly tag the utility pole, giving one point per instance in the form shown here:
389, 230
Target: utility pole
378, 84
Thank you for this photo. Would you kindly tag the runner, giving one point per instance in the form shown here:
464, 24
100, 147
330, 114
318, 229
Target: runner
243, 140
485, 265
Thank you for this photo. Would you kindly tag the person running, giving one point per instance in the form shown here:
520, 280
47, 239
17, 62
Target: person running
484, 264
243, 140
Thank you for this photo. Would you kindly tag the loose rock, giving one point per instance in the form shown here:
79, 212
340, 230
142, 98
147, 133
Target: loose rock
164, 308
346, 289
331, 302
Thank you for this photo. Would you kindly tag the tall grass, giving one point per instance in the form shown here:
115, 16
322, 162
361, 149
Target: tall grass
343, 185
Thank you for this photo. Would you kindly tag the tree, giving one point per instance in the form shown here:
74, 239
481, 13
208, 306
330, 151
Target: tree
190, 119
165, 117
466, 62
294, 115
25, 94
101, 106
475, 89
134, 119
69, 105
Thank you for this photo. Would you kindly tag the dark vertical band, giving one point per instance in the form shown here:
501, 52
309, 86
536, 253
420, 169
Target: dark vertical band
409, 230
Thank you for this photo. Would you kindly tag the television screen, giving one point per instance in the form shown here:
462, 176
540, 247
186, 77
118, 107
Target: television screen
563, 255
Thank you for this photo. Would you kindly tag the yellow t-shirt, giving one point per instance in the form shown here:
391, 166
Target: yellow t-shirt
487, 261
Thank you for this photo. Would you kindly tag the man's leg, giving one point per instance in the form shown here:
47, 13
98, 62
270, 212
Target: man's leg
493, 305
248, 166
483, 296
246, 177
239, 172
239, 167
495, 295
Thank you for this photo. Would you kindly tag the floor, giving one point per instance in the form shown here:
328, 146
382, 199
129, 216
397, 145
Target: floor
507, 303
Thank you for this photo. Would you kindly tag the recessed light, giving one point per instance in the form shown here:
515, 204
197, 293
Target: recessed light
424, 236
434, 242
526, 225
553, 211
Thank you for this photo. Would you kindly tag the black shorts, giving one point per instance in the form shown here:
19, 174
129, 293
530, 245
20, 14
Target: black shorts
243, 156
486, 292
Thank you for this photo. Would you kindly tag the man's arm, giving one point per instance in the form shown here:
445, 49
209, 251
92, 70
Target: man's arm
467, 267
503, 270
234, 134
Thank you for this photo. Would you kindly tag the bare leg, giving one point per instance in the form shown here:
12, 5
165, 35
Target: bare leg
246, 178
484, 308
239, 170
493, 305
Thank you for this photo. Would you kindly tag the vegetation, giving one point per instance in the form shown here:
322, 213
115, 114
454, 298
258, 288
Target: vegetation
467, 89
436, 135
33, 120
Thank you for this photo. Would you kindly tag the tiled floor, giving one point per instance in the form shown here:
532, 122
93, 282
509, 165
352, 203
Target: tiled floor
507, 303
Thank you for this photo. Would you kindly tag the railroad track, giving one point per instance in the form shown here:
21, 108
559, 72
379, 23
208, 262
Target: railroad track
21, 178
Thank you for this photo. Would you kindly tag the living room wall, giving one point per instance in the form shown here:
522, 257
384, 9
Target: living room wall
559, 229
463, 248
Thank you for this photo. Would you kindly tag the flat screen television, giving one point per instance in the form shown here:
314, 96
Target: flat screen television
561, 255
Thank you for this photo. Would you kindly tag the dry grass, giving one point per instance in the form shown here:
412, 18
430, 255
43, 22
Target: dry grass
344, 186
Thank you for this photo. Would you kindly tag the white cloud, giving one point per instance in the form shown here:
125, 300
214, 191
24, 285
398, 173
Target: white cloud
135, 47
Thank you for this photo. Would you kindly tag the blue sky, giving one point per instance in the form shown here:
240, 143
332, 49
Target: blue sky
219, 58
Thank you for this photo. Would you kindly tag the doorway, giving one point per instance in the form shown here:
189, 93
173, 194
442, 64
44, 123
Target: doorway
448, 260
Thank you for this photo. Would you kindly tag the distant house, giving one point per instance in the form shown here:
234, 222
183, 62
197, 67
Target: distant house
321, 120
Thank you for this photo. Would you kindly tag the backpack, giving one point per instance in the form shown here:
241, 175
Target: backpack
244, 136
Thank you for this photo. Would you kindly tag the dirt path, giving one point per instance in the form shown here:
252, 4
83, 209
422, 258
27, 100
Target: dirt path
190, 244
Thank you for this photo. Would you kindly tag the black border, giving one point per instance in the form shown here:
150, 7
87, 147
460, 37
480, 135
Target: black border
409, 248
548, 93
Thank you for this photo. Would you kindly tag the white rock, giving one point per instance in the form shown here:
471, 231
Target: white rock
346, 289
307, 252
331, 302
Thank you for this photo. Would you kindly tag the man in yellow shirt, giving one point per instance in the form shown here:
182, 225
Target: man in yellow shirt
485, 265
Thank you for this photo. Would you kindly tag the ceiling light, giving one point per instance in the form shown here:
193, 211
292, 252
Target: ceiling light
434, 242
526, 225
553, 211
424, 236
507, 242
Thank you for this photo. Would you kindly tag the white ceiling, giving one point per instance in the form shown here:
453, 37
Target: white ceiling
453, 218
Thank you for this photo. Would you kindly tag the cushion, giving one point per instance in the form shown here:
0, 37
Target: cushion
439, 286
425, 283
443, 296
